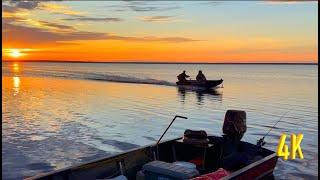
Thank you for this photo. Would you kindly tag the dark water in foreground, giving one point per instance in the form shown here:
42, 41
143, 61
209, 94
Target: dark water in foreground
58, 114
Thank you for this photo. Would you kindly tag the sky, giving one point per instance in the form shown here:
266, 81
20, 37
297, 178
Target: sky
161, 31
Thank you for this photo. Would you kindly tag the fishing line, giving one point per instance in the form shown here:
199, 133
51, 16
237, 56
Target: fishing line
277, 122
261, 142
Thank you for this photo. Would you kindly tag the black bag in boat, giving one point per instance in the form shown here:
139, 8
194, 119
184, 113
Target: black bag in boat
197, 142
198, 138
195, 134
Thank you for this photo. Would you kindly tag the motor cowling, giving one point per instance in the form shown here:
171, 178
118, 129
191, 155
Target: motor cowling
235, 123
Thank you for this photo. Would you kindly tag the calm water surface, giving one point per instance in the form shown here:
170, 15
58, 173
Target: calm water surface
61, 114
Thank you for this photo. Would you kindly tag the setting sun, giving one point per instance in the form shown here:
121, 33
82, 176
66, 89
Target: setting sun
15, 53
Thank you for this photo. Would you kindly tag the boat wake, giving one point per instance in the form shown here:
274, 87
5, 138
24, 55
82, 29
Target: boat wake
90, 76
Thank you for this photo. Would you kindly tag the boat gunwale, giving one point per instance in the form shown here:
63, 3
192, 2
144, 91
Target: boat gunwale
70, 168
250, 166
96, 160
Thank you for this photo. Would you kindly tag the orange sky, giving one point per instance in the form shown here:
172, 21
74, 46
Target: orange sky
160, 31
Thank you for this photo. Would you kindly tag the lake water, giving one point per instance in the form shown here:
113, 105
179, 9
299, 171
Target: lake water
61, 114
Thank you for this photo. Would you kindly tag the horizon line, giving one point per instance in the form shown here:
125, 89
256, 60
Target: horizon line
159, 62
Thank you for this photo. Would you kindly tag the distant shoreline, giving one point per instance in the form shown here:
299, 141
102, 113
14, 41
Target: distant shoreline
129, 62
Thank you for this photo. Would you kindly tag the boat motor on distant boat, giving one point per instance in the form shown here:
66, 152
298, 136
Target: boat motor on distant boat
196, 156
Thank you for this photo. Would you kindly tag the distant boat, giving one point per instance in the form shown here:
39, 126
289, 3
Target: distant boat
194, 84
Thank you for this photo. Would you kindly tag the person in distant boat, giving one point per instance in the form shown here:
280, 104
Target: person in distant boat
183, 76
200, 77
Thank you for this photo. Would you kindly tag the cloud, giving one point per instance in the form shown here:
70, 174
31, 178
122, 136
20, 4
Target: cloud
9, 9
152, 39
12, 11
211, 3
156, 18
29, 5
14, 18
19, 16
17, 34
94, 19
13, 14
282, 2
20, 29
14, 34
292, 0
144, 6
59, 9
42, 5
56, 26
151, 8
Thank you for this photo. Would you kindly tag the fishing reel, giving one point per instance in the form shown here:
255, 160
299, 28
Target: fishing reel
261, 142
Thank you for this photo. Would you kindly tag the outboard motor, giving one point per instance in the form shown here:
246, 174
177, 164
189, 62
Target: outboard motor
234, 127
234, 124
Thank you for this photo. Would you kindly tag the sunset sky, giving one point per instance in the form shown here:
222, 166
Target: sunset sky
160, 31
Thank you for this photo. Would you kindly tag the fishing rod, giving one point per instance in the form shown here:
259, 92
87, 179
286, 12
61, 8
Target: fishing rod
177, 116
261, 141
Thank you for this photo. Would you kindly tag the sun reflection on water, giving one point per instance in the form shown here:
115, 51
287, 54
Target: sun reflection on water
16, 68
16, 79
16, 85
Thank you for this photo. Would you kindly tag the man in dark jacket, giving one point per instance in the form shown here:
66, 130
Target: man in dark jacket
201, 77
182, 77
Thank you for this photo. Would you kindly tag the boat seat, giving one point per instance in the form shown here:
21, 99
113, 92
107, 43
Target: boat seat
157, 169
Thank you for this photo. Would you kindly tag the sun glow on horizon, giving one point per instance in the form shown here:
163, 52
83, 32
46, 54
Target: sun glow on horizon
15, 53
